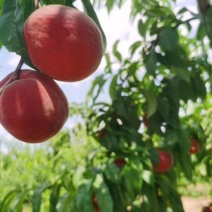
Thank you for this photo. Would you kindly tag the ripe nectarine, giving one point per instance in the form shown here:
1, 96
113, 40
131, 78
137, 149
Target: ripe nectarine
207, 209
63, 42
95, 204
145, 121
102, 133
194, 146
165, 162
120, 162
33, 108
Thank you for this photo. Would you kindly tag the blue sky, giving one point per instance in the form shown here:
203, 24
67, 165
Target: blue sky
116, 26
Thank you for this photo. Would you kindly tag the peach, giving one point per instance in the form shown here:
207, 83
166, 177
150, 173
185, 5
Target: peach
63, 42
195, 146
165, 162
120, 162
33, 108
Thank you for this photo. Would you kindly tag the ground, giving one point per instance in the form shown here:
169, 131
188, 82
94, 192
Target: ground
194, 204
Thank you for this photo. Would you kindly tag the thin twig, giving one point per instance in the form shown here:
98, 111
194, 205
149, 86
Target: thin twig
36, 4
17, 71
186, 21
15, 76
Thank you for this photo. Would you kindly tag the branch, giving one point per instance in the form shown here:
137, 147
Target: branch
36, 4
203, 6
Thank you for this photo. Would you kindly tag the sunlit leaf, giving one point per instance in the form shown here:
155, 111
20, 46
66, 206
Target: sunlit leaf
151, 102
11, 29
91, 13
150, 62
208, 23
168, 39
113, 85
84, 197
102, 194
116, 53
37, 196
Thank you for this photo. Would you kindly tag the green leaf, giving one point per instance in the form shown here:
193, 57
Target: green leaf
66, 202
108, 63
198, 85
171, 59
116, 53
113, 84
160, 12
102, 194
188, 91
168, 39
5, 204
8, 33
148, 177
54, 197
142, 28
69, 3
200, 32
132, 174
186, 165
133, 67
134, 47
109, 5
208, 24
27, 9
150, 61
23, 10
183, 73
175, 200
11, 29
78, 176
163, 107
183, 140
91, 13
112, 173
150, 193
127, 111
1, 5
183, 10
96, 88
37, 196
18, 205
83, 198
62, 2
151, 102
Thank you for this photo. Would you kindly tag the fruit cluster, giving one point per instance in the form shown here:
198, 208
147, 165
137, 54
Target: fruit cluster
63, 44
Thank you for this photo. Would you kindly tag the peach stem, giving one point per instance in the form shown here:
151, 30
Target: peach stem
15, 76
36, 4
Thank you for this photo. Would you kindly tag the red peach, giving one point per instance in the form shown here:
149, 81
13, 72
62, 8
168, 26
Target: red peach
207, 209
145, 121
63, 42
33, 108
194, 146
165, 162
95, 204
102, 133
120, 162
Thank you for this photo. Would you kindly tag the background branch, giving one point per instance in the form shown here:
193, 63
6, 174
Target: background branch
203, 6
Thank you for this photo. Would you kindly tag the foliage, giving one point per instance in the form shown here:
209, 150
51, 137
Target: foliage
166, 77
